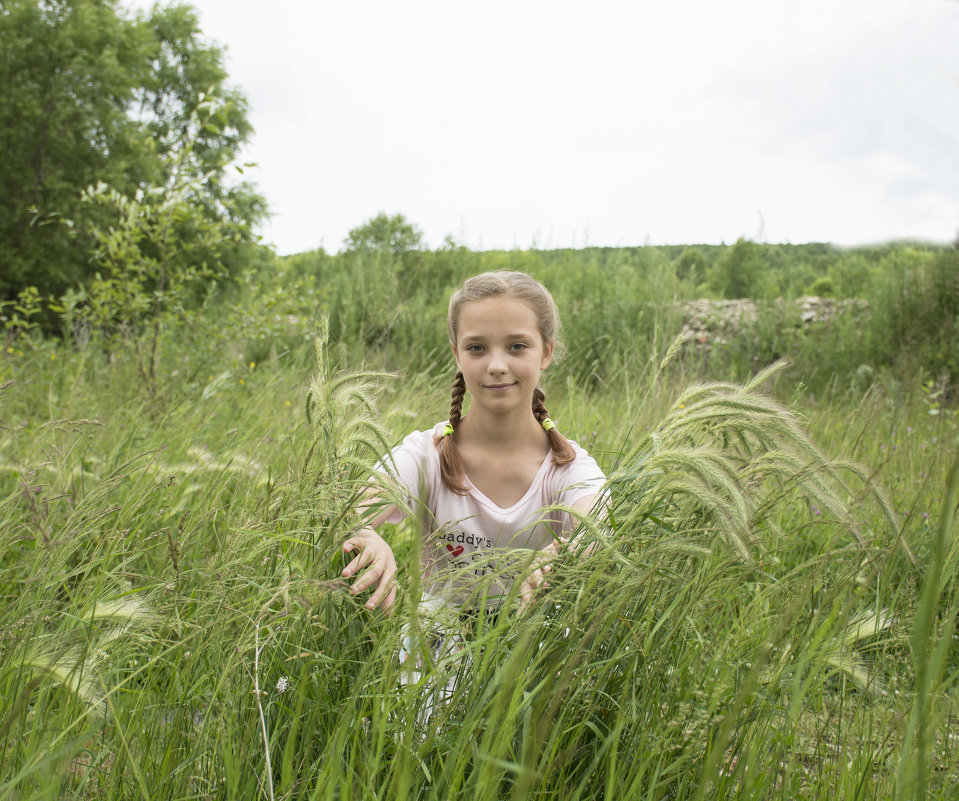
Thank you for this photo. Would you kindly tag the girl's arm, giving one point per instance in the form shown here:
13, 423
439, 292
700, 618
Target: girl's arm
377, 557
537, 577
583, 507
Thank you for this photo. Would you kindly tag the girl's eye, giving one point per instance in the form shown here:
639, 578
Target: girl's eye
519, 346
474, 348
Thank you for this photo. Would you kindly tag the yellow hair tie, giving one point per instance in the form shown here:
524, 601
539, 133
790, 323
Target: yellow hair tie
548, 424
447, 430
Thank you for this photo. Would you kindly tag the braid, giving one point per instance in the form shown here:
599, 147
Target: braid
451, 463
456, 404
539, 405
563, 452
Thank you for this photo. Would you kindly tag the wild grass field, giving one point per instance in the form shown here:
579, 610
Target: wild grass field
769, 610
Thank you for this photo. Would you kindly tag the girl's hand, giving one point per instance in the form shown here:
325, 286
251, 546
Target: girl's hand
375, 555
540, 568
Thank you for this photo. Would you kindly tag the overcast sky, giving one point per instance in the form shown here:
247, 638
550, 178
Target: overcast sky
557, 124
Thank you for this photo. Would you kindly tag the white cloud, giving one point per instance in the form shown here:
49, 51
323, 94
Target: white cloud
510, 123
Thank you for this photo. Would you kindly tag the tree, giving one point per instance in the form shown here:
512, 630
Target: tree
736, 272
90, 95
187, 73
691, 265
147, 275
393, 234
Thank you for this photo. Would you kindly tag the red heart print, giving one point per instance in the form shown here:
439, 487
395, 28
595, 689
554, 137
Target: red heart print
455, 551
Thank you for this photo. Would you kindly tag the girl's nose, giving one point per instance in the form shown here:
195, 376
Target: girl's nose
497, 363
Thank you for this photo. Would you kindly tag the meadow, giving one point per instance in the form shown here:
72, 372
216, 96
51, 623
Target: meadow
768, 611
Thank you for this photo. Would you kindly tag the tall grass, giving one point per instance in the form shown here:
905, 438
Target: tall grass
757, 619
768, 610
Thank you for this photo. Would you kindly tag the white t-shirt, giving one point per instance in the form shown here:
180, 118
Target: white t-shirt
468, 537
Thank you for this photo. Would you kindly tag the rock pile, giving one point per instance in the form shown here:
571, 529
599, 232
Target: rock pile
715, 321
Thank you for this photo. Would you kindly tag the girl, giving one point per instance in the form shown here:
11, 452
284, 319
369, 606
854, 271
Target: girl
491, 481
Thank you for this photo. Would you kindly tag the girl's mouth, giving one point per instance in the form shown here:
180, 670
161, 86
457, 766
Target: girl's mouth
499, 387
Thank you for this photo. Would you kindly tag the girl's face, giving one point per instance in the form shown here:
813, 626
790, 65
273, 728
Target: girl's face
500, 352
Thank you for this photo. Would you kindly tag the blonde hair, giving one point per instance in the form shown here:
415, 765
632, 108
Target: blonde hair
511, 284
536, 296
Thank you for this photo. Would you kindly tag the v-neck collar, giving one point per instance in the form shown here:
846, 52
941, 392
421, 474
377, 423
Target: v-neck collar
506, 510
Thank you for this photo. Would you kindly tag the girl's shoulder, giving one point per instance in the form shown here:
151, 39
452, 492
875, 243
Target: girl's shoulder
583, 468
425, 438
420, 445
414, 460
579, 451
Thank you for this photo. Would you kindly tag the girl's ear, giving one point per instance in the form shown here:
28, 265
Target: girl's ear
456, 355
547, 357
